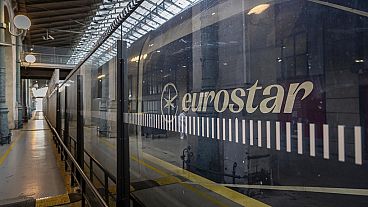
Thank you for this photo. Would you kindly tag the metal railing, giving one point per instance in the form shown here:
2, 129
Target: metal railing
84, 181
47, 58
47, 55
69, 152
92, 173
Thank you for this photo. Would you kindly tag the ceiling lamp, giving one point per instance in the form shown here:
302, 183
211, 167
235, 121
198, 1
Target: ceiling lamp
22, 22
259, 9
30, 58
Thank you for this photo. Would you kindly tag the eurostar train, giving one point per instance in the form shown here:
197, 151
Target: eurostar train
239, 103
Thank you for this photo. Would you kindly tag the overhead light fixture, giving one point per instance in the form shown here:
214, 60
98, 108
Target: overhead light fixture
22, 22
259, 9
101, 76
30, 58
48, 36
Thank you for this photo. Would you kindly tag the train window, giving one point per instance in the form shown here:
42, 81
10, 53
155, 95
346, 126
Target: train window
233, 103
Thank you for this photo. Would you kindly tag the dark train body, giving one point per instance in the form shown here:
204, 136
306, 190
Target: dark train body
223, 45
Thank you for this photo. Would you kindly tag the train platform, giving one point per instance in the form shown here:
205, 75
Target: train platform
29, 166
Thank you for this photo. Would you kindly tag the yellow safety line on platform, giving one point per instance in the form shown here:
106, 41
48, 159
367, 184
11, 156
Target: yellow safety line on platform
204, 182
5, 155
162, 173
191, 188
53, 200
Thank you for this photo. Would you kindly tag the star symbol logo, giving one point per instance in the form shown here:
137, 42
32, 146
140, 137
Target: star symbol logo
168, 100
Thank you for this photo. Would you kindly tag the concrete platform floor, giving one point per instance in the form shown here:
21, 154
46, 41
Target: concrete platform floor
28, 166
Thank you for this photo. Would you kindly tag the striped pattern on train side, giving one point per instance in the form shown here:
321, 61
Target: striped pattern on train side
207, 127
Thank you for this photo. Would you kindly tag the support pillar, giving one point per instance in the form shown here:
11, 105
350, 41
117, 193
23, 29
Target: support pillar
122, 149
24, 101
4, 128
19, 123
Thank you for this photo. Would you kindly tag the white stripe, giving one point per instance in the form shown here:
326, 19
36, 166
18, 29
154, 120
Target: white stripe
176, 121
251, 132
150, 120
326, 148
223, 129
341, 145
172, 123
300, 138
312, 140
202, 126
186, 125
190, 125
259, 134
194, 125
243, 131
167, 122
174, 128
180, 124
288, 137
198, 127
358, 144
268, 134
208, 126
213, 128
236, 130
161, 121
218, 128
230, 129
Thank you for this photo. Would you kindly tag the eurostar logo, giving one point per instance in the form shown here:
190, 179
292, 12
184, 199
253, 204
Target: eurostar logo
168, 100
238, 99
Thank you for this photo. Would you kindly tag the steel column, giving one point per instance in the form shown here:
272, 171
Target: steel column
66, 122
123, 176
80, 130
24, 100
4, 128
58, 113
18, 50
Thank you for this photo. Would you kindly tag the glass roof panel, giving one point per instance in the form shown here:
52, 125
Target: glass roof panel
150, 15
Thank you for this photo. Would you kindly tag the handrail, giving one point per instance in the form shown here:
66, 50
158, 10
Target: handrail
84, 176
112, 177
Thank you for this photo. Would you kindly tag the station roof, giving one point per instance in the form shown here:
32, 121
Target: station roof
57, 23
78, 24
